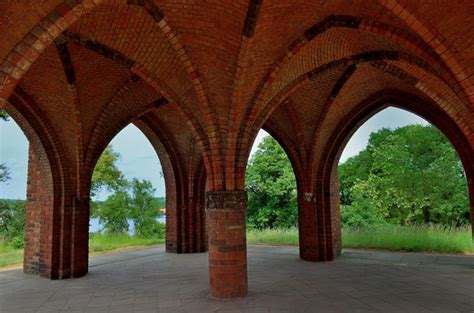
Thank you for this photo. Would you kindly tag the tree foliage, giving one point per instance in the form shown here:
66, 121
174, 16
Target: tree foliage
4, 115
4, 171
145, 209
407, 175
106, 173
114, 212
130, 201
12, 221
135, 202
271, 184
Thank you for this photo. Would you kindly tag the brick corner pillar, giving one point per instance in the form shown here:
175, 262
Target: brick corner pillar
225, 212
80, 237
319, 227
307, 228
39, 245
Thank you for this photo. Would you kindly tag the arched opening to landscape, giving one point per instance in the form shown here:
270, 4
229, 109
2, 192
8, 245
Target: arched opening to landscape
31, 212
327, 169
128, 194
272, 211
402, 186
13, 190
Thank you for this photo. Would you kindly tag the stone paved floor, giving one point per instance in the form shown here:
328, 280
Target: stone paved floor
149, 280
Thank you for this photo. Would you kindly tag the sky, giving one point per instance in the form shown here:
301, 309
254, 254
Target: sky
139, 160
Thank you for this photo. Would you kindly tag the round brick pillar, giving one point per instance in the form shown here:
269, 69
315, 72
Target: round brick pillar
225, 212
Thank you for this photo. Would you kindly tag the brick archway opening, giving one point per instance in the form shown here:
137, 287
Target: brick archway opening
136, 153
43, 195
388, 122
185, 184
289, 158
328, 169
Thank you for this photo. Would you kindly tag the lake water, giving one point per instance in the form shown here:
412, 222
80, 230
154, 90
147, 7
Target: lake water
95, 226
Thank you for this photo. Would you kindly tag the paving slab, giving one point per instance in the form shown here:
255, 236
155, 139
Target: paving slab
150, 280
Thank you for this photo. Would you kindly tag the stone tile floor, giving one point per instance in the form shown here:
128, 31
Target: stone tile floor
149, 280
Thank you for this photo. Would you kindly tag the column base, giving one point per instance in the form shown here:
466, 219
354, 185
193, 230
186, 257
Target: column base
227, 247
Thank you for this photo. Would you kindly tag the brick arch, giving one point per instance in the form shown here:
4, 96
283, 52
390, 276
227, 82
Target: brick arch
354, 60
139, 73
403, 77
59, 19
290, 149
365, 57
429, 60
403, 38
103, 138
299, 169
437, 43
49, 203
170, 163
327, 197
184, 189
185, 231
173, 176
426, 53
462, 122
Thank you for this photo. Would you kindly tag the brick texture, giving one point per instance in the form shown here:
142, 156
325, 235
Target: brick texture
200, 79
225, 211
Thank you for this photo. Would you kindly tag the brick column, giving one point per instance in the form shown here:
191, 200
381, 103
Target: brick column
307, 228
225, 212
319, 226
39, 246
80, 237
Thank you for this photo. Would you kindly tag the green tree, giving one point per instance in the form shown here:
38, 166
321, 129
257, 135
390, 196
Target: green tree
409, 175
106, 174
12, 221
271, 184
4, 171
144, 209
114, 212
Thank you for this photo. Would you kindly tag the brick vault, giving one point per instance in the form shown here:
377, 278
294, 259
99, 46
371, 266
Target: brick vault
200, 79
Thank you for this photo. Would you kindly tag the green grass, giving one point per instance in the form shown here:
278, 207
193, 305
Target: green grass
106, 242
387, 237
284, 237
432, 238
97, 243
9, 255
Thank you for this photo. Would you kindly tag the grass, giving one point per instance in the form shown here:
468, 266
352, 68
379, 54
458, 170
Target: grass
284, 237
396, 238
97, 243
431, 238
9, 255
106, 242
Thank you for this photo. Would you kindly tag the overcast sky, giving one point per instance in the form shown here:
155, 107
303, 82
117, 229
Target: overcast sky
138, 159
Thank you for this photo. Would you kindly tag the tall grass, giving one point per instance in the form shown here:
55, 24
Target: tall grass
284, 237
427, 238
422, 238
